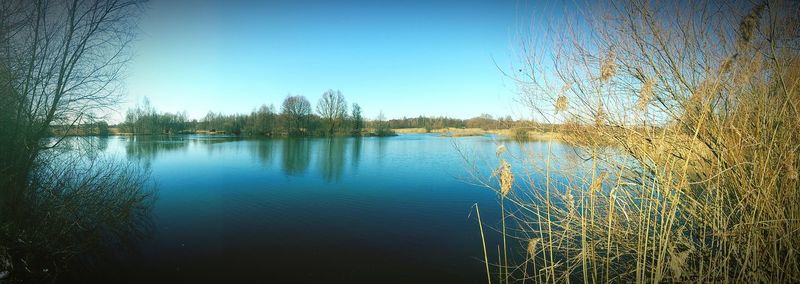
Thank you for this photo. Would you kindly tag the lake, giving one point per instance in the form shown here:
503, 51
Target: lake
370, 210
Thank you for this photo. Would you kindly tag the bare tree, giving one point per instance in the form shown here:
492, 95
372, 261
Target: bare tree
60, 61
382, 126
358, 119
332, 107
296, 110
261, 121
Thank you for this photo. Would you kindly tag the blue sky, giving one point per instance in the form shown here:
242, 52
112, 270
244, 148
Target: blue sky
406, 58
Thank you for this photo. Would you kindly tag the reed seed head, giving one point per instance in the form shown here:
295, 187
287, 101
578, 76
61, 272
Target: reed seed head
726, 65
597, 183
749, 25
532, 246
608, 68
677, 263
645, 94
569, 199
506, 177
600, 117
561, 103
500, 150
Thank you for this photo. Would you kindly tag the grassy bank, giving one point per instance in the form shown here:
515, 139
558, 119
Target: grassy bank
528, 134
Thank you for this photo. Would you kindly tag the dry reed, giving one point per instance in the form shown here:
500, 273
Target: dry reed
685, 145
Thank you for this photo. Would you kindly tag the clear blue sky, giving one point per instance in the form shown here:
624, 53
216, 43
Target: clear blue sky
406, 58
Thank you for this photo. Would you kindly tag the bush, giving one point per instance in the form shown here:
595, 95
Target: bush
80, 212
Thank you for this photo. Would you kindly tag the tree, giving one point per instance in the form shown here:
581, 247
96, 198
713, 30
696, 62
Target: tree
358, 120
59, 64
382, 127
145, 119
101, 128
296, 110
261, 121
483, 121
332, 108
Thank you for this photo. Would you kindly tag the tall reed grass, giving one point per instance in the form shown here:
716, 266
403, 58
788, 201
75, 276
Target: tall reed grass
684, 126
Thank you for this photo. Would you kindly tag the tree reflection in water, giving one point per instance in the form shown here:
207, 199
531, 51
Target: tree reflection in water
328, 155
331, 159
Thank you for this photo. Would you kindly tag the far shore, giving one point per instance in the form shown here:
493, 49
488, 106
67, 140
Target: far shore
469, 132
532, 135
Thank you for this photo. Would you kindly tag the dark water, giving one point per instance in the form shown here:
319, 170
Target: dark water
368, 210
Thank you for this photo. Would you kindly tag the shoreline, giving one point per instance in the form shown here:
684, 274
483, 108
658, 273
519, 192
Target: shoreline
530, 135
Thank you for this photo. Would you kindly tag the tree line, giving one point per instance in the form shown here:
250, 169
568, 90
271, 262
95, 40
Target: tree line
296, 117
484, 121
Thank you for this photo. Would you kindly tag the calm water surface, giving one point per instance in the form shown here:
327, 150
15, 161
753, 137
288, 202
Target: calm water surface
369, 210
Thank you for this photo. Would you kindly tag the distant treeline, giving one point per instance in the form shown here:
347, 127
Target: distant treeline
98, 128
296, 117
484, 121
332, 117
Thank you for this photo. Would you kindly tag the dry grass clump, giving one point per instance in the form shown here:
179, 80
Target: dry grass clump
410, 130
685, 146
460, 132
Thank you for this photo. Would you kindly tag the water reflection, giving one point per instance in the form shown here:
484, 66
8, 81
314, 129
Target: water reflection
265, 151
328, 155
331, 160
390, 204
381, 150
355, 152
296, 156
326, 158
144, 149
88, 146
